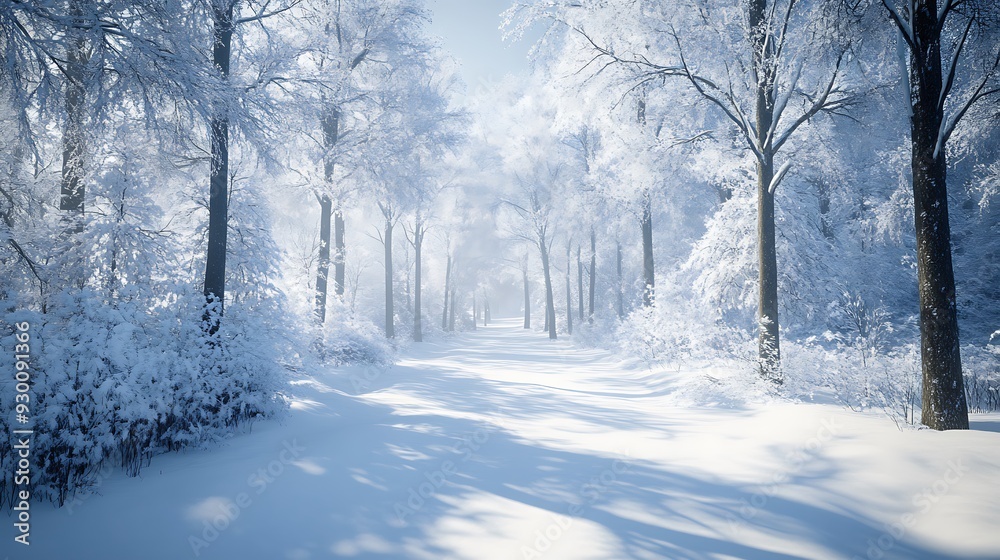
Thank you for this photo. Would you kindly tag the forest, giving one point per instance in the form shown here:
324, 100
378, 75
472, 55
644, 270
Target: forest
206, 203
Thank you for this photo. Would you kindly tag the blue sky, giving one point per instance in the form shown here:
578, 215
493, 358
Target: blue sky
470, 32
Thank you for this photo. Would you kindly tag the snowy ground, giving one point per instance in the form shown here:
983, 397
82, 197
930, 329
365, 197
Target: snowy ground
502, 444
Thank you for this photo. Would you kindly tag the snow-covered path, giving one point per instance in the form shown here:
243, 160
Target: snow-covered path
503, 444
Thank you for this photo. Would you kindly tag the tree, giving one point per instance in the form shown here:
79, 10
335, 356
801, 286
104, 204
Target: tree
939, 97
569, 286
352, 43
416, 238
218, 198
766, 94
534, 209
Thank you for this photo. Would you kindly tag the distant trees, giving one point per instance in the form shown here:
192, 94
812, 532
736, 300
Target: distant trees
766, 96
760, 74
342, 39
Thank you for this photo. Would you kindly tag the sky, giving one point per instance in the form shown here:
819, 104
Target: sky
470, 30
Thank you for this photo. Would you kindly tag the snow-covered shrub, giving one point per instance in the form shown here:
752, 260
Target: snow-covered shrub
981, 367
347, 339
888, 381
681, 332
120, 383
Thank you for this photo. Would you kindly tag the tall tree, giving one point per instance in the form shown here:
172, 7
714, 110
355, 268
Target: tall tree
416, 238
331, 130
389, 222
218, 198
940, 96
71, 199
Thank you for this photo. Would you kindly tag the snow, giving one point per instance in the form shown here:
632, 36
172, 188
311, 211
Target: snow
502, 444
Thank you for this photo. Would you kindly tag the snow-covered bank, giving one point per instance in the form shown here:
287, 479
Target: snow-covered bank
502, 444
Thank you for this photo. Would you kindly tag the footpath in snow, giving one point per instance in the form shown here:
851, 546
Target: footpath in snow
503, 444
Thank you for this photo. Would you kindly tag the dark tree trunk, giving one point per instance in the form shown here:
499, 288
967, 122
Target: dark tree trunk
593, 273
569, 288
339, 255
331, 130
943, 405
418, 242
550, 307
325, 207
406, 280
579, 281
621, 279
390, 331
527, 300
646, 224
447, 283
649, 279
769, 352
72, 191
218, 201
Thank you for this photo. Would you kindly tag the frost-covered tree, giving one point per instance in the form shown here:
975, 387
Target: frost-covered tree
767, 67
951, 51
350, 45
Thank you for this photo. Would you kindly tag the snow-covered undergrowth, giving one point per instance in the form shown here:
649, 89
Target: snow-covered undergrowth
860, 366
117, 384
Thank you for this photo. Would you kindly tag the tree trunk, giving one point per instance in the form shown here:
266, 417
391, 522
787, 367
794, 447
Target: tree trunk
325, 207
649, 279
550, 309
593, 272
486, 312
72, 190
527, 300
418, 242
569, 288
218, 200
330, 123
340, 254
769, 353
943, 405
475, 311
579, 280
390, 331
646, 224
451, 311
447, 283
621, 279
407, 278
